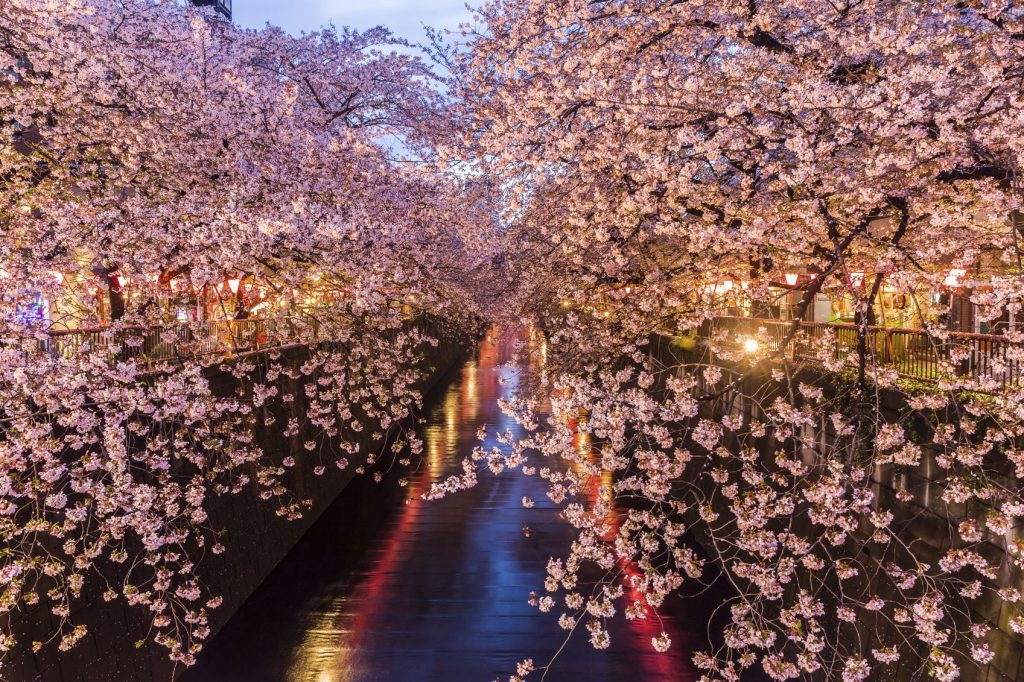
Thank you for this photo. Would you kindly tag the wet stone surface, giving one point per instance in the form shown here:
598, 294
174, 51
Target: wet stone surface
386, 586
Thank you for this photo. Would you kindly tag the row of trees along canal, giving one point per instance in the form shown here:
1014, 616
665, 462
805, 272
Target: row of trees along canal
597, 168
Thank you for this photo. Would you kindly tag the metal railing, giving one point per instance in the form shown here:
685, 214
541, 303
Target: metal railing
913, 353
167, 342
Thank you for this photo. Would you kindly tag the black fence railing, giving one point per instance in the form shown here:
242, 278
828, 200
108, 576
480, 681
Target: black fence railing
178, 341
167, 342
913, 353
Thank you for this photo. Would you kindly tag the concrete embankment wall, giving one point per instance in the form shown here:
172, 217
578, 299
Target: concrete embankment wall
256, 539
923, 523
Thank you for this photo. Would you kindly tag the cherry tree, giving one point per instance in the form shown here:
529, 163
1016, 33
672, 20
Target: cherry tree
154, 159
654, 156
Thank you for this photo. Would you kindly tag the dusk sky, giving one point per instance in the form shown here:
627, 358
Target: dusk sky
404, 17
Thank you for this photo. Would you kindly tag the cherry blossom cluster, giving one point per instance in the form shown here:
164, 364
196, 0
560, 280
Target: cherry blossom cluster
664, 166
156, 160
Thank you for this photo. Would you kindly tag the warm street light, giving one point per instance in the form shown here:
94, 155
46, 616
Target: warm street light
751, 345
955, 278
792, 278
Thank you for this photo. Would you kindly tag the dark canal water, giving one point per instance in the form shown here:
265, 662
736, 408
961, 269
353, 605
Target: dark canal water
386, 586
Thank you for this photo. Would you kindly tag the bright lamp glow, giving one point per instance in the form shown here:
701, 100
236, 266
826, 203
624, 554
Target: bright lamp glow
955, 277
751, 346
234, 284
791, 278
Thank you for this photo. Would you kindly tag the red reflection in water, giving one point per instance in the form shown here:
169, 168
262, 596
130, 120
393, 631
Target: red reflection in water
388, 587
480, 383
640, 631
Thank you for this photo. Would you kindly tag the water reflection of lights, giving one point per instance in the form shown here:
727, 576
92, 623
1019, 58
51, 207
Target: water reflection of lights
470, 397
320, 657
606, 484
451, 404
599, 491
316, 656
471, 374
316, 659
451, 420
329, 649
348, 631
583, 442
435, 452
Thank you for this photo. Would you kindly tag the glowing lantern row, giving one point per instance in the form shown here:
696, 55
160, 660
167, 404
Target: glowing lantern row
122, 281
724, 287
728, 285
233, 284
954, 278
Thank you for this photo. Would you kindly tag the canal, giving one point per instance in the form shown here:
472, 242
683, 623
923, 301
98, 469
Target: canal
386, 586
